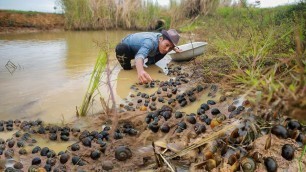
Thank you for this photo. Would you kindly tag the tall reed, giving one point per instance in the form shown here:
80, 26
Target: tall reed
93, 83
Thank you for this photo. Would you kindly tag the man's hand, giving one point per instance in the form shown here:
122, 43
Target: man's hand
143, 76
177, 50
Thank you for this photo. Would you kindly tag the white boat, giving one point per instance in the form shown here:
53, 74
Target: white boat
189, 51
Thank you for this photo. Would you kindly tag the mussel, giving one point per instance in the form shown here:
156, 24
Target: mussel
123, 153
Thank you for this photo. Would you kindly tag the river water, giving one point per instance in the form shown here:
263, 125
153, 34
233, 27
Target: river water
45, 75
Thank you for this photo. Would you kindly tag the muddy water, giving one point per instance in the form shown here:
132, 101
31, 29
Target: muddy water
45, 75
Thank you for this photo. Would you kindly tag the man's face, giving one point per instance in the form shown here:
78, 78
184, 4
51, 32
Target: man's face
165, 46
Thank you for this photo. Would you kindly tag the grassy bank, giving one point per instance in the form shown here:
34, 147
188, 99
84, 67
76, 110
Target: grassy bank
29, 19
265, 50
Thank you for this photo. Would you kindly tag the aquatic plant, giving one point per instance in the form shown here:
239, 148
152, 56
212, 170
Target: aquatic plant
93, 83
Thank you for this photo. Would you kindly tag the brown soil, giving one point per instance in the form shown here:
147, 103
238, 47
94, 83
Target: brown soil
11, 21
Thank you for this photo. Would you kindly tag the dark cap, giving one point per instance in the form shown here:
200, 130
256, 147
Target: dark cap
172, 36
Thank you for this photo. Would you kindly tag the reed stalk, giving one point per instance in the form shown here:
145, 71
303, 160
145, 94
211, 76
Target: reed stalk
94, 82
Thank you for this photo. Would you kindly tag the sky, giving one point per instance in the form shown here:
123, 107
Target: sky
48, 5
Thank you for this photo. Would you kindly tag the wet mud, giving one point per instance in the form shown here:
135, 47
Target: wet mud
185, 125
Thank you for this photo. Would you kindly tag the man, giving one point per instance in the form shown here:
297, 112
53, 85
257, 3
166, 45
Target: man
146, 45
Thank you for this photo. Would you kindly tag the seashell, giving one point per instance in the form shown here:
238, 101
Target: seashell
48, 167
44, 151
301, 138
211, 102
178, 114
107, 165
95, 154
288, 152
75, 147
248, 164
232, 159
153, 127
77, 161
231, 108
280, 131
208, 155
143, 108
18, 165
86, 142
257, 157
165, 128
51, 154
53, 136
22, 151
207, 121
210, 164
64, 137
215, 111
199, 128
11, 143
182, 125
36, 149
220, 118
64, 158
294, 125
204, 106
214, 123
270, 164
191, 119
51, 161
123, 153
33, 168
36, 161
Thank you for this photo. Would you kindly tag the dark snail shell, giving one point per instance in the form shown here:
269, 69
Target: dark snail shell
294, 125
215, 111
288, 152
18, 165
165, 128
64, 158
211, 102
36, 161
123, 153
95, 154
270, 164
248, 164
191, 119
280, 131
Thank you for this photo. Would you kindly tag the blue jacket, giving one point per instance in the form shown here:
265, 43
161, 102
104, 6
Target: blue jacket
143, 44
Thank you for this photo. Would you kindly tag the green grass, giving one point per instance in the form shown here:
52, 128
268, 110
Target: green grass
93, 83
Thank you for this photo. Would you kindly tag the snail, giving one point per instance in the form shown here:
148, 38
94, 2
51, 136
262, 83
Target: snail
288, 152
210, 164
123, 153
36, 161
248, 164
64, 158
280, 131
270, 164
215, 111
165, 128
95, 154
191, 119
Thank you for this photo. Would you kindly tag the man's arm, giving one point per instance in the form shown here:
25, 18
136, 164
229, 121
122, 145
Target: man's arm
143, 76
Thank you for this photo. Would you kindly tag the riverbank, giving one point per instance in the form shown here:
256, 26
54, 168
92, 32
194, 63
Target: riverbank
20, 22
